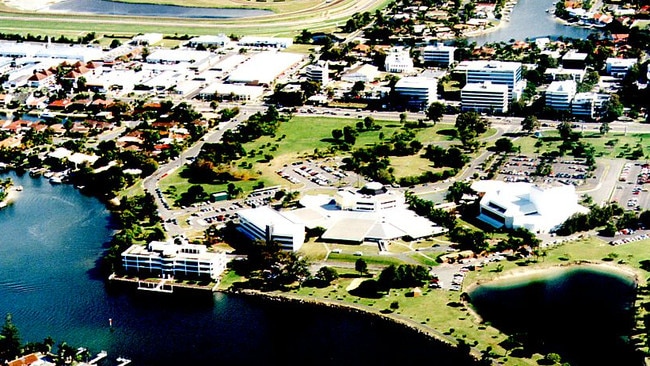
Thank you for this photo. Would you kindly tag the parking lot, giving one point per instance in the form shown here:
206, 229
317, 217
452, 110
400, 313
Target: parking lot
523, 168
313, 174
631, 191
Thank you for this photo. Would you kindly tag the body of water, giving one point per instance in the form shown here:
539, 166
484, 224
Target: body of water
51, 240
529, 19
582, 313
152, 10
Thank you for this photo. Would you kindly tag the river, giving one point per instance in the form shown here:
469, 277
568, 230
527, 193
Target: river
582, 313
151, 10
53, 236
529, 20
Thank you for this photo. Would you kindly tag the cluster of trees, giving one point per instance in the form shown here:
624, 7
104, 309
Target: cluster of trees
137, 218
452, 157
268, 268
84, 39
5, 184
470, 125
212, 164
401, 276
596, 217
11, 346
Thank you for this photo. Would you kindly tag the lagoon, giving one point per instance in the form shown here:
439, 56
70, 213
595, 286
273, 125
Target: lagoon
52, 238
583, 313
105, 7
529, 20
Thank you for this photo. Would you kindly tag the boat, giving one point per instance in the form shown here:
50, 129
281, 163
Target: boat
18, 188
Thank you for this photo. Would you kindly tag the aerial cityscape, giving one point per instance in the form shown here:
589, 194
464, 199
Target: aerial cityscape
328, 182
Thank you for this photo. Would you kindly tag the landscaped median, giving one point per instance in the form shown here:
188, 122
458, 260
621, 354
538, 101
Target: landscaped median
444, 315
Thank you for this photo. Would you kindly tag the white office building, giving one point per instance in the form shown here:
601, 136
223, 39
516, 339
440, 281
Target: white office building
398, 60
497, 72
269, 225
588, 105
559, 95
560, 74
419, 92
318, 72
439, 54
372, 197
619, 67
484, 97
166, 258
219, 40
539, 209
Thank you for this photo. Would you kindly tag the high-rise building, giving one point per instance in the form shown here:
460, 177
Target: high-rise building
419, 92
484, 97
559, 94
439, 54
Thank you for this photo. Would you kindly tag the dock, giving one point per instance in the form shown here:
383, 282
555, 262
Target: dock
100, 356
161, 286
123, 361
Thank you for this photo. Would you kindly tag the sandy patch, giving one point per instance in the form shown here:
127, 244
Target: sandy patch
30, 5
354, 284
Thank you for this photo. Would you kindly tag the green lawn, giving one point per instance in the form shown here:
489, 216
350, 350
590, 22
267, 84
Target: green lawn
612, 145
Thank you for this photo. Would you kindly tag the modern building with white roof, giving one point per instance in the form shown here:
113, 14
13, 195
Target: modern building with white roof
267, 224
619, 67
147, 39
209, 41
559, 94
484, 97
419, 92
539, 209
496, 72
398, 60
439, 54
167, 258
264, 67
560, 73
318, 72
588, 105
363, 72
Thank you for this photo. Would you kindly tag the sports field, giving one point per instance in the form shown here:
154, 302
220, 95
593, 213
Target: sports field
291, 17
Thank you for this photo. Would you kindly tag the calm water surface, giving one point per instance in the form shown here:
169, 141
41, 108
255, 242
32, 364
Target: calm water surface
117, 8
581, 313
529, 19
51, 239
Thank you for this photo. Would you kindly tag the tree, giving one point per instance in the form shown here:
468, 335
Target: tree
326, 274
361, 266
604, 128
530, 123
9, 340
337, 134
504, 144
436, 111
469, 125
565, 130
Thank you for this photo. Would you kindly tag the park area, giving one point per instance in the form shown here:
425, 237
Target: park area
310, 138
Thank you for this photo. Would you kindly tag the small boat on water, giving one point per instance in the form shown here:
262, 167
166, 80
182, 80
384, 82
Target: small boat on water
18, 188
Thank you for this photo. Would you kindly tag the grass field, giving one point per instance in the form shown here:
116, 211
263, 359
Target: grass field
612, 145
285, 6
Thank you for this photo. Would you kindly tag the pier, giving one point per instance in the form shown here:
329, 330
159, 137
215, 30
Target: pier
161, 286
123, 361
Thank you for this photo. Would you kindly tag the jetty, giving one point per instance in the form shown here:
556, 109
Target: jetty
160, 286
100, 356
123, 361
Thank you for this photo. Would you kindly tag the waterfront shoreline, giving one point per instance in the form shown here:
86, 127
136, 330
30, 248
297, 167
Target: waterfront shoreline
409, 324
518, 274
12, 194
